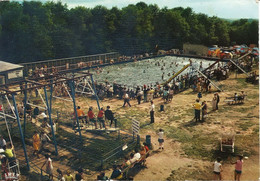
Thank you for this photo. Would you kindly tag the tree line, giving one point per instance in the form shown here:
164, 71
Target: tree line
32, 31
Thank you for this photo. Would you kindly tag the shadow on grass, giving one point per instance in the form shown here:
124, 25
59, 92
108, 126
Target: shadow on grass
91, 151
191, 123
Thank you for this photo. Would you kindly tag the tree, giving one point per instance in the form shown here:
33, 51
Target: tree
32, 31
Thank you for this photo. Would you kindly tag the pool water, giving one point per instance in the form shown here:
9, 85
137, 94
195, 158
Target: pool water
146, 71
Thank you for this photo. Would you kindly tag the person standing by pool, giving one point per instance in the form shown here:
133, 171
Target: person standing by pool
139, 96
126, 100
145, 93
152, 112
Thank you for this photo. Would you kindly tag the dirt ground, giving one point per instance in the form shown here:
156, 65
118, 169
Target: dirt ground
173, 163
191, 148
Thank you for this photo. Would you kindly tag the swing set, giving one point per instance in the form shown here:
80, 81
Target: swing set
20, 91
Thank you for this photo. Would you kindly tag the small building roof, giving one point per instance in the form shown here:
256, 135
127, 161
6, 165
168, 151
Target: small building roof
6, 66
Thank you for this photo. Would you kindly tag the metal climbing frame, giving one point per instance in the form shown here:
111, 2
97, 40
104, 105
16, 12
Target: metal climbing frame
13, 169
21, 89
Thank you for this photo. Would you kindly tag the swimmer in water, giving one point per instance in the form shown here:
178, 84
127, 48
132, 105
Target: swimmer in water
162, 68
144, 71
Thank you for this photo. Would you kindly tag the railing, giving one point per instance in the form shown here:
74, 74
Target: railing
118, 150
72, 62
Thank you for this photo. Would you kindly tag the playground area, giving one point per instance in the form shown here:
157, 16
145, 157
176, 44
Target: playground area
193, 146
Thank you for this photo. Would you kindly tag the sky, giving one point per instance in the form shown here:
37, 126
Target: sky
230, 9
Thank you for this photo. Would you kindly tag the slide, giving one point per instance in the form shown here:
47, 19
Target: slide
211, 66
244, 55
175, 75
239, 67
209, 80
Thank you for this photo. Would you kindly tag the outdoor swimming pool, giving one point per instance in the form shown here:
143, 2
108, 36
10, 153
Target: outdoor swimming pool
146, 71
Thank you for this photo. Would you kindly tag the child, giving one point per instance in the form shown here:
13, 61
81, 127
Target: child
160, 139
217, 169
238, 167
199, 95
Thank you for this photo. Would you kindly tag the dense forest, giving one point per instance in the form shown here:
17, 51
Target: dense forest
32, 31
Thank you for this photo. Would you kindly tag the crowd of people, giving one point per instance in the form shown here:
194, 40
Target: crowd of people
103, 118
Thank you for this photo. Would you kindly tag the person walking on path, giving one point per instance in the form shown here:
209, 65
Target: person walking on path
152, 112
197, 107
126, 100
49, 166
217, 169
160, 139
238, 168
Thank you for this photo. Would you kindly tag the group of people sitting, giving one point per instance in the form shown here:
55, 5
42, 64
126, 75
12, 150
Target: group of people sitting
122, 171
100, 119
236, 99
